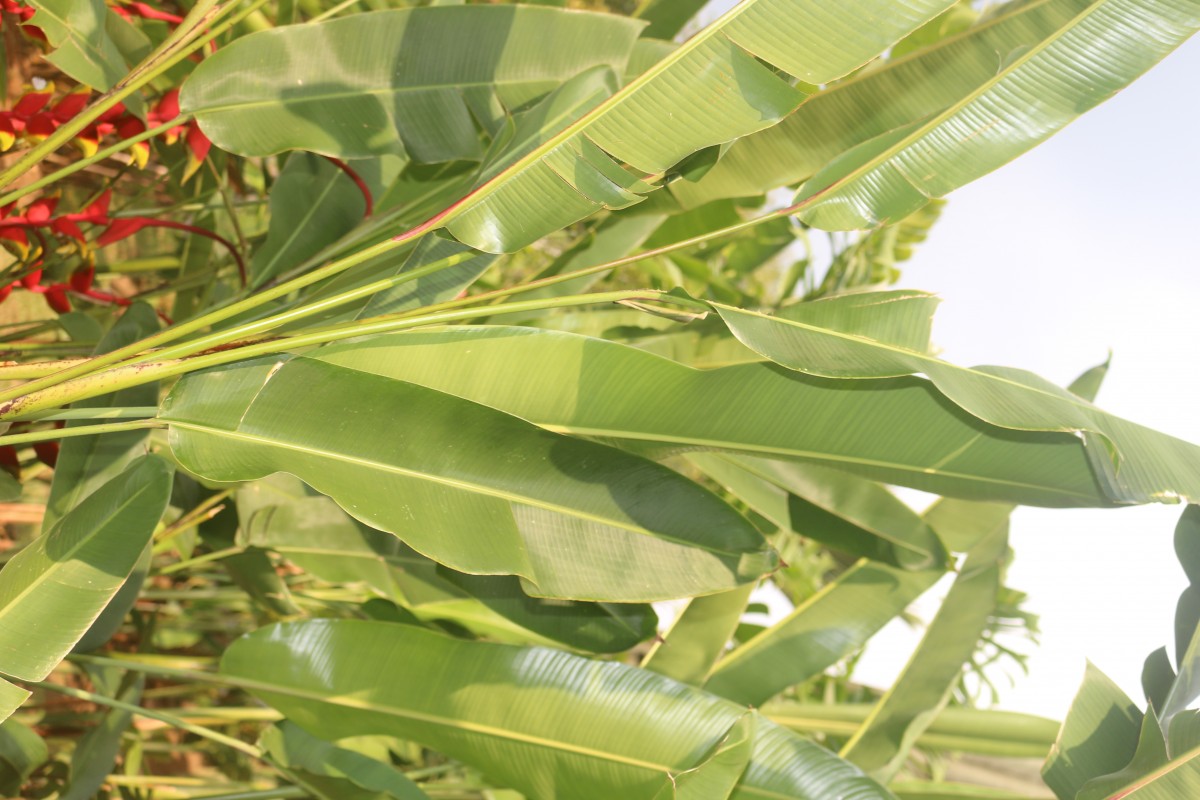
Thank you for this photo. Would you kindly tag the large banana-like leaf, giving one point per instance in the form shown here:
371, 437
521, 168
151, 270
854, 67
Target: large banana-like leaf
53, 590
471, 487
1135, 464
77, 32
549, 724
698, 636
923, 688
1035, 93
899, 431
832, 624
717, 87
875, 101
850, 514
405, 80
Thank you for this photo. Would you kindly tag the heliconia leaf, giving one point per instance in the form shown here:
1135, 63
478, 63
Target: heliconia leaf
11, 698
53, 590
395, 81
94, 755
1107, 44
21, 752
924, 686
1135, 464
1186, 686
667, 17
698, 636
313, 203
899, 431
850, 514
335, 773
832, 624
482, 491
717, 87
544, 722
1100, 733
893, 94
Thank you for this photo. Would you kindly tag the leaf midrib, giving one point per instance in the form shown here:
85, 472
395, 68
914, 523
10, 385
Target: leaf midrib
450, 482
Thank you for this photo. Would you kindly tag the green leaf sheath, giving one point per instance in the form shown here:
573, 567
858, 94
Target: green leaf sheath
544, 722
469, 486
53, 590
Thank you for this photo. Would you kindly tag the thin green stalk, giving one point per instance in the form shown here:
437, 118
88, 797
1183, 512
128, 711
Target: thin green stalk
340, 7
36, 369
189, 520
126, 412
125, 376
268, 323
86, 430
281, 793
173, 721
216, 555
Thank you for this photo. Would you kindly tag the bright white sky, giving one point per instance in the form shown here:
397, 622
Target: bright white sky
1087, 243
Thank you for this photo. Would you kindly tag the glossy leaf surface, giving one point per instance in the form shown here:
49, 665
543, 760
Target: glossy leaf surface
573, 518
544, 722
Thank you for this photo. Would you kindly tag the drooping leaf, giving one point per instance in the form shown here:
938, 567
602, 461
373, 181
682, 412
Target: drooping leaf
395, 81
1135, 464
923, 688
850, 514
92, 760
573, 518
1186, 687
335, 772
21, 752
667, 17
11, 698
1108, 44
53, 590
698, 636
834, 623
542, 721
1100, 733
720, 82
898, 431
872, 102
87, 462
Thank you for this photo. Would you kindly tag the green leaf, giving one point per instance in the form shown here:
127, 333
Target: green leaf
313, 204
717, 87
94, 755
667, 17
53, 590
11, 698
824, 629
76, 29
1135, 464
945, 790
1108, 44
88, 462
541, 721
395, 81
337, 773
850, 514
698, 636
872, 102
1100, 732
21, 752
1186, 687
899, 431
923, 688
482, 492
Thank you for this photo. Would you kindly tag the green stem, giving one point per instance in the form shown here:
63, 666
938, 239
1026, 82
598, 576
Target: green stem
281, 793
85, 430
268, 323
173, 721
216, 555
36, 369
126, 412
189, 520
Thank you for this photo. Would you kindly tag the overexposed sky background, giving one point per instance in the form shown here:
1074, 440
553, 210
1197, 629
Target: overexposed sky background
1088, 242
